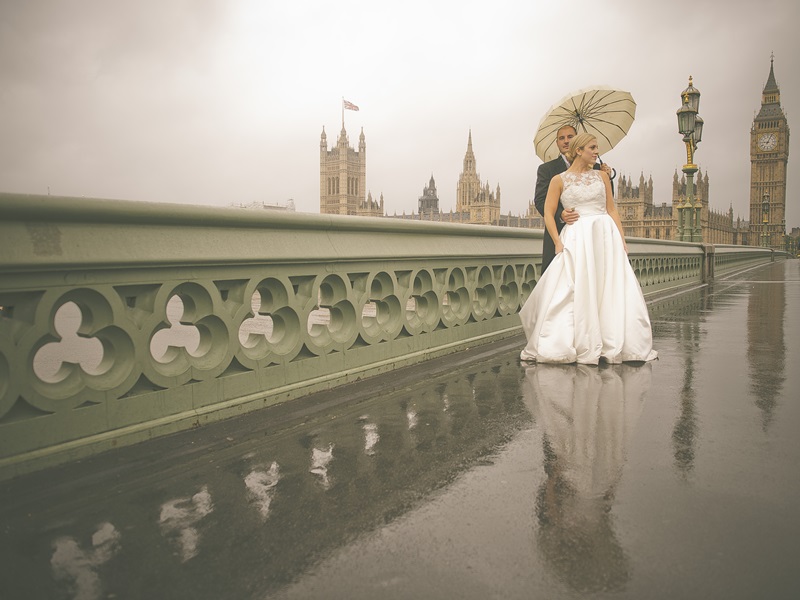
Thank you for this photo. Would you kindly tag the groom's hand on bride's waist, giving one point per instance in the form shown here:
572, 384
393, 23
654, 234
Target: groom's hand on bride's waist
569, 216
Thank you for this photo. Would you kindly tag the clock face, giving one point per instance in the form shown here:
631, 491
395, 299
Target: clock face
767, 141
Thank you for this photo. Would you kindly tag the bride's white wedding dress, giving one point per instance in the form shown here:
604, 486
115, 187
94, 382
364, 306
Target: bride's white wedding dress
588, 304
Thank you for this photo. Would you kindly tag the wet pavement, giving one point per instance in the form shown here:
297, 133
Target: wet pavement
471, 476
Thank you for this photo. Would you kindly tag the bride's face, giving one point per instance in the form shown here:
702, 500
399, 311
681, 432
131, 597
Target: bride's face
590, 152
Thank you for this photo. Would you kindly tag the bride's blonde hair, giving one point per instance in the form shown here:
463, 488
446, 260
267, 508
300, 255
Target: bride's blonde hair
579, 142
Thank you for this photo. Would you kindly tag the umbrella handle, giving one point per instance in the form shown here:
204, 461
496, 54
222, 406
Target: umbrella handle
613, 170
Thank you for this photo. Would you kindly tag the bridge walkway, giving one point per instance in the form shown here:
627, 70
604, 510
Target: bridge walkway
470, 476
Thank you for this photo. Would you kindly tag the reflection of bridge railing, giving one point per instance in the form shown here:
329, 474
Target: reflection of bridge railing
274, 306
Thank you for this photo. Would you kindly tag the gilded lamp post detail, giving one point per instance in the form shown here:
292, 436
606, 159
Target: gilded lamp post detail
690, 126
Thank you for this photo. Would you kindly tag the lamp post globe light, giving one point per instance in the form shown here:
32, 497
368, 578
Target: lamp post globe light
690, 126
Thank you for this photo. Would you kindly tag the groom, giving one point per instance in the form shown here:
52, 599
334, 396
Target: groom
544, 174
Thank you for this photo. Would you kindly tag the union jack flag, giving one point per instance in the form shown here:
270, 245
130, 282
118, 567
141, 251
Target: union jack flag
349, 105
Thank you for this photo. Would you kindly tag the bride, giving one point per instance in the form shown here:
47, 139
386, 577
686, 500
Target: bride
588, 304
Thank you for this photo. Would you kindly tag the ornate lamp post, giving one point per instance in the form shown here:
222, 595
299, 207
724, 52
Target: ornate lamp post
765, 220
690, 126
784, 237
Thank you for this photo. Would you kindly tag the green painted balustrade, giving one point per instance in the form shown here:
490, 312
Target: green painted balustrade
730, 259
123, 320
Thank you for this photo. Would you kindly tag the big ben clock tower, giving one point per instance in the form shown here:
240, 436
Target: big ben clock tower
769, 154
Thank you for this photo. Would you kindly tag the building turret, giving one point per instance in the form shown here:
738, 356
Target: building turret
428, 203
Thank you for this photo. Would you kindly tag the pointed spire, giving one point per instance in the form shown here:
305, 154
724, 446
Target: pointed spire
343, 140
770, 97
469, 157
771, 86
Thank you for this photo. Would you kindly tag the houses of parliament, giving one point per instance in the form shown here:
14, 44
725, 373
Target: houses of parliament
343, 184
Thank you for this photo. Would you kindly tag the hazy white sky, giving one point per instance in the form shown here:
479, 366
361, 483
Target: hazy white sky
220, 101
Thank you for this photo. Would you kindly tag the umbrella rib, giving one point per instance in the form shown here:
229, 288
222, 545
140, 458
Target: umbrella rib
602, 103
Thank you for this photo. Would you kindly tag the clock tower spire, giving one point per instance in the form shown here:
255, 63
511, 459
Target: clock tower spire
769, 155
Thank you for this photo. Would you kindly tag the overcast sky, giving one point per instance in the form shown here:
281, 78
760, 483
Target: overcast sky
220, 101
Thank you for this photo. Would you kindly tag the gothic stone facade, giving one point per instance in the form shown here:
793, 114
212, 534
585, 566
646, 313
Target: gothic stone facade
482, 205
343, 178
641, 217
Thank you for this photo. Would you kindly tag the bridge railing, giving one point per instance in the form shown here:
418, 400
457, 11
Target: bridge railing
121, 320
730, 259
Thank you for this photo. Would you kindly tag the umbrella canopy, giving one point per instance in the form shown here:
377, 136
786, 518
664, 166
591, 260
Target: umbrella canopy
604, 112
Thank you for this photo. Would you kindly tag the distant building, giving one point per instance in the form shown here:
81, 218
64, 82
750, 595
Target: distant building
529, 221
343, 178
482, 205
475, 202
641, 217
769, 155
370, 207
428, 203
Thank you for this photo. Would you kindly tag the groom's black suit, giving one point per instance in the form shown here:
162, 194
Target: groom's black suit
544, 174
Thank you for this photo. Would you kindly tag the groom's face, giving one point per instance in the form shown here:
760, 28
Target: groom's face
564, 136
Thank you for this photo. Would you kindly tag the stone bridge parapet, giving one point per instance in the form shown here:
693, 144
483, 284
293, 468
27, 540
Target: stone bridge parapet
120, 320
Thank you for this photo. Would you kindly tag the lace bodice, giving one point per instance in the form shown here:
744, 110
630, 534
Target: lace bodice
585, 192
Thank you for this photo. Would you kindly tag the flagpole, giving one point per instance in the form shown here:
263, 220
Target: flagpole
342, 112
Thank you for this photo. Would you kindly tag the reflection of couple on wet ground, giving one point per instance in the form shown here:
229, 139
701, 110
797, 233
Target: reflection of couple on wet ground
587, 416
